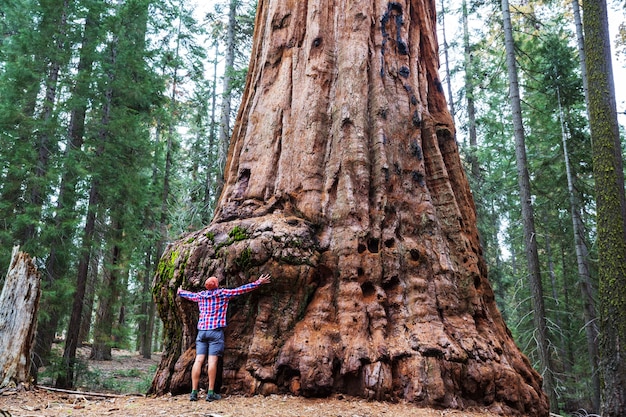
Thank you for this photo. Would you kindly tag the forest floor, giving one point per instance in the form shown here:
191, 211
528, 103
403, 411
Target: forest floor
122, 381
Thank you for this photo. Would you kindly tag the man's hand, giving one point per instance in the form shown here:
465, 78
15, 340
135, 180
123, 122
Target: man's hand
265, 279
178, 290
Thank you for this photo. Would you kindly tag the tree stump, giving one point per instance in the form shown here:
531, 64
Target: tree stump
345, 183
19, 303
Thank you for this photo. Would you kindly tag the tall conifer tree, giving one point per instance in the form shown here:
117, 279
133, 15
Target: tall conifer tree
530, 241
611, 205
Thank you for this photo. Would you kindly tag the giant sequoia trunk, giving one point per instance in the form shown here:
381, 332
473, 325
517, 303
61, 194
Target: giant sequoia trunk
344, 182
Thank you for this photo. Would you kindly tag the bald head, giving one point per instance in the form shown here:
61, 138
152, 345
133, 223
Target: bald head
211, 283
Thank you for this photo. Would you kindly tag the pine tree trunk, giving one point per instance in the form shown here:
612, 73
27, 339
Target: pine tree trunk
608, 174
108, 298
65, 378
528, 217
146, 320
226, 95
344, 182
580, 42
448, 76
210, 192
468, 64
582, 261
566, 367
19, 303
90, 291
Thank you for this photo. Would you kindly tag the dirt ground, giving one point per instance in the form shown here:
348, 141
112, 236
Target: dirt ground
128, 372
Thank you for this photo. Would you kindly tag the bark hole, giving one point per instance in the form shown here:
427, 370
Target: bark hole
353, 383
438, 85
402, 47
368, 289
394, 6
390, 243
415, 255
417, 121
391, 283
477, 281
432, 353
286, 373
323, 274
445, 139
418, 177
416, 149
280, 22
242, 182
372, 245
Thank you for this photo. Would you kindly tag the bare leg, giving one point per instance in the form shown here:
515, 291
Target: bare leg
196, 371
212, 371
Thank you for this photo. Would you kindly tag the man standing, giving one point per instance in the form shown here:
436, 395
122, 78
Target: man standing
213, 304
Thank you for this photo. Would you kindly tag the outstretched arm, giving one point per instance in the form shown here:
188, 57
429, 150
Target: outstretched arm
187, 294
264, 279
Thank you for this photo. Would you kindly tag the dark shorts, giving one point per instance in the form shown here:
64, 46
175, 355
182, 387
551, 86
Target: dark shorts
211, 342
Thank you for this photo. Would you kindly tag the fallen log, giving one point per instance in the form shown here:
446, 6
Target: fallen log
88, 393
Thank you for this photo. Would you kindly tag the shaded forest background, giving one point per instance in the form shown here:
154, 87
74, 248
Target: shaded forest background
114, 127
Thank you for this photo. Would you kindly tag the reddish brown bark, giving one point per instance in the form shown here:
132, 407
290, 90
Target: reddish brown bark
345, 183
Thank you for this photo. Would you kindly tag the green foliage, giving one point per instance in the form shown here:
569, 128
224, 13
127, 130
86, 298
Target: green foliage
166, 266
118, 381
122, 381
238, 233
81, 369
109, 111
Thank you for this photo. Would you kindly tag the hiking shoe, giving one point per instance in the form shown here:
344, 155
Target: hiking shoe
193, 396
213, 397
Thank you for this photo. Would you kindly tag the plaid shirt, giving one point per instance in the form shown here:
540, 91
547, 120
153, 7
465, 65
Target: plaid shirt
213, 304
